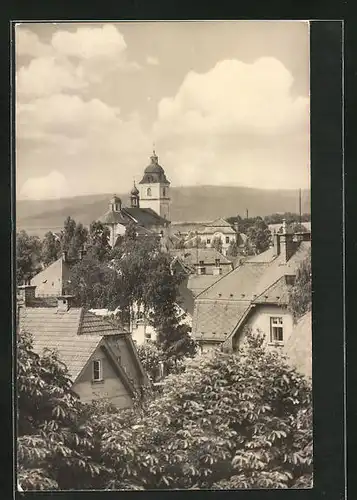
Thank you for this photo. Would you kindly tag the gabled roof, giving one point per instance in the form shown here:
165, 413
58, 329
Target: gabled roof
249, 284
197, 283
75, 333
192, 256
58, 331
219, 224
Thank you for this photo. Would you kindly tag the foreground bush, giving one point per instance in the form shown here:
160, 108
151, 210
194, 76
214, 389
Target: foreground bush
229, 421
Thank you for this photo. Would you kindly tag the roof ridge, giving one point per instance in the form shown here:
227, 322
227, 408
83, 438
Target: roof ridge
269, 287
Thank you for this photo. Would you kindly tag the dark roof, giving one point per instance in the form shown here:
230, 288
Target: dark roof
114, 217
192, 256
145, 217
154, 172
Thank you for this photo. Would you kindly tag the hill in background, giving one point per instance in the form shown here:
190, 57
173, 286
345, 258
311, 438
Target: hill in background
196, 203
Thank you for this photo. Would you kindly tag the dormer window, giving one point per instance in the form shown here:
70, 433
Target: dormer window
218, 262
148, 191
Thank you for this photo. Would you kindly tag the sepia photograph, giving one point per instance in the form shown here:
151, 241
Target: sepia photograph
163, 255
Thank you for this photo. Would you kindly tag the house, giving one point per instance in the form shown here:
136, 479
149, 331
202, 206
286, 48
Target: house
298, 347
54, 280
102, 360
205, 233
203, 260
149, 208
254, 295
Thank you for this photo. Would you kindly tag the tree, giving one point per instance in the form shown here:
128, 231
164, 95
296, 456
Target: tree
95, 285
54, 442
28, 253
229, 421
98, 241
232, 250
196, 242
217, 243
74, 237
258, 237
51, 249
301, 293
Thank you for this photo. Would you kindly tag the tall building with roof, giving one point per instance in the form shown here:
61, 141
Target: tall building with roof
155, 189
149, 207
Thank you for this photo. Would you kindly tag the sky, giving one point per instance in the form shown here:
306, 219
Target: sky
223, 103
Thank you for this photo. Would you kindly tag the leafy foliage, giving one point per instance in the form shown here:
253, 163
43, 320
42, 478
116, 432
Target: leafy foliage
229, 421
51, 249
28, 253
73, 238
217, 243
98, 245
301, 293
232, 250
258, 238
54, 442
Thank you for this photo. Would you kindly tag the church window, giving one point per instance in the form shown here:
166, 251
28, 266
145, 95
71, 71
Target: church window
148, 192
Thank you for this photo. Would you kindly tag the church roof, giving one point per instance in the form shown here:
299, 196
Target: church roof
114, 217
145, 216
154, 173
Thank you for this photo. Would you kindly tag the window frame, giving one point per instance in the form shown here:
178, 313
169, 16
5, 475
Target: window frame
228, 239
276, 326
100, 366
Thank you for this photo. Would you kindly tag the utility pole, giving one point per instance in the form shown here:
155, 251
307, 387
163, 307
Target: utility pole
300, 206
197, 250
246, 213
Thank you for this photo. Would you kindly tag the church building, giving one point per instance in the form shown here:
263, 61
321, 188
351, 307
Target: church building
149, 208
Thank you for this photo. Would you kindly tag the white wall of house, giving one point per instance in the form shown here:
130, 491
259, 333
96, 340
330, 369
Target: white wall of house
260, 320
208, 237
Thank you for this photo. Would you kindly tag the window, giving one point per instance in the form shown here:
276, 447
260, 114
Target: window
201, 263
148, 192
97, 370
218, 262
147, 335
208, 241
227, 239
164, 192
276, 329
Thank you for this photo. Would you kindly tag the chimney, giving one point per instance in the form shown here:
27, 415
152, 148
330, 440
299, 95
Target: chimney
64, 302
25, 294
287, 245
276, 243
64, 255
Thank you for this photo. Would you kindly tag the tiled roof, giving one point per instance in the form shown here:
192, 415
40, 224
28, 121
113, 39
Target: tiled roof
215, 319
145, 216
199, 283
257, 278
277, 293
58, 331
192, 256
93, 324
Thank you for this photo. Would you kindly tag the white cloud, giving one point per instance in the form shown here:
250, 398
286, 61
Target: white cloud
90, 42
50, 186
28, 43
72, 60
234, 97
48, 75
152, 60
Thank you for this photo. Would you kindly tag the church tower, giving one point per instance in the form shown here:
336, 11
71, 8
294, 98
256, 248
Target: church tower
155, 189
